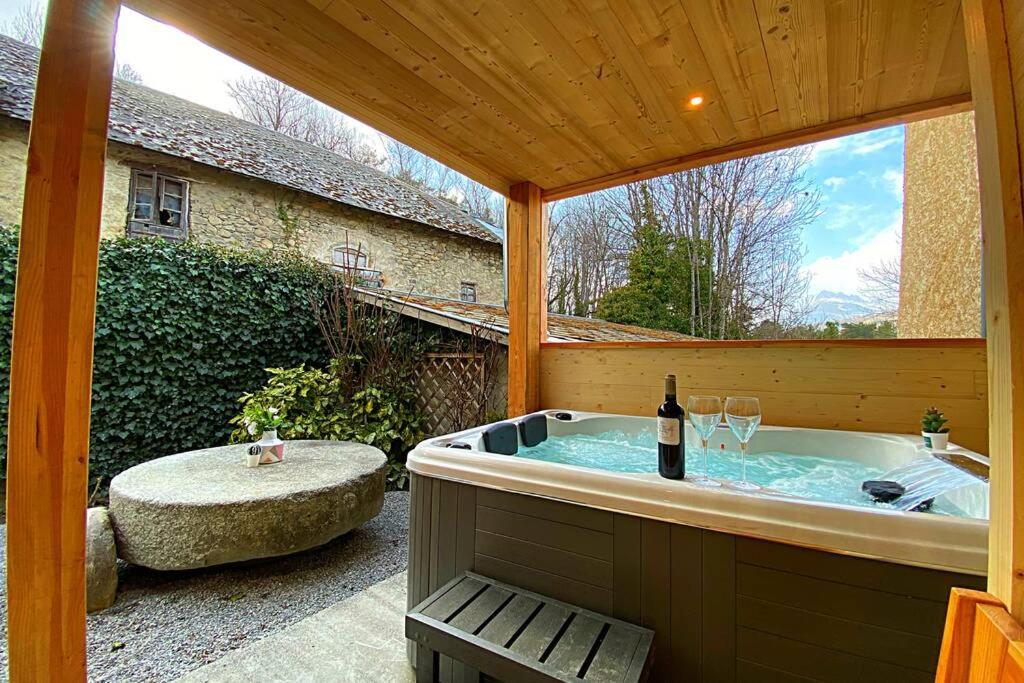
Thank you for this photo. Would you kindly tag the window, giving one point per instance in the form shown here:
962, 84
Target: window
467, 292
347, 258
159, 206
355, 261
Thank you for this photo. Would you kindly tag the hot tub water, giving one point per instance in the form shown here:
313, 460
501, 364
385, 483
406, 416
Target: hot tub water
821, 478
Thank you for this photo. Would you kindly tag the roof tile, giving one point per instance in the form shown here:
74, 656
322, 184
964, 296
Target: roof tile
560, 327
160, 122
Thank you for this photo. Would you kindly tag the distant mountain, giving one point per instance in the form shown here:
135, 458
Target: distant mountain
875, 318
841, 308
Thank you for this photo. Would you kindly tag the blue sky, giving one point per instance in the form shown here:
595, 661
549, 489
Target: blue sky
860, 178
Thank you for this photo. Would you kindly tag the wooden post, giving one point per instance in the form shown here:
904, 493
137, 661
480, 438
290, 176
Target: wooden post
995, 46
51, 363
526, 242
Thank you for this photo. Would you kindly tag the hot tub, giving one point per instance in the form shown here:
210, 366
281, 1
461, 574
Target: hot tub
954, 537
801, 579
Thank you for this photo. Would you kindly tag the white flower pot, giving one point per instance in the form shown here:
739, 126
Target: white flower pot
273, 447
935, 442
253, 459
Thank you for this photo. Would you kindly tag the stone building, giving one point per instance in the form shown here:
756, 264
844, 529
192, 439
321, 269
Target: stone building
940, 272
183, 171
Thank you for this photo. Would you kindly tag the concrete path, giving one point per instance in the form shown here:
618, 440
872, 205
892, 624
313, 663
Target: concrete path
359, 639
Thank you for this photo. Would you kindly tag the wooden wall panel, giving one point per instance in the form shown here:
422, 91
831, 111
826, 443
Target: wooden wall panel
858, 387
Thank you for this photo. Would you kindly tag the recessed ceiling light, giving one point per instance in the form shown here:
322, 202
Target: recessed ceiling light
696, 100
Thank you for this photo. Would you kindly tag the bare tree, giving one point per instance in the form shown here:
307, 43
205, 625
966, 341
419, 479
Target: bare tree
747, 216
481, 201
881, 283
279, 107
588, 243
738, 223
126, 72
407, 164
419, 170
416, 168
27, 24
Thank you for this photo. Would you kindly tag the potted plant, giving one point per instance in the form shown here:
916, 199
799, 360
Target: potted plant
264, 421
934, 431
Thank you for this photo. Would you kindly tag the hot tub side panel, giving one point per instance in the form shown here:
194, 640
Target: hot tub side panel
723, 607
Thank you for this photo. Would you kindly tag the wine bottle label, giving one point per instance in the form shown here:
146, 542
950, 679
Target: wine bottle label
668, 431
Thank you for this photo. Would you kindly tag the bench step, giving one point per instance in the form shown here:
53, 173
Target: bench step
515, 635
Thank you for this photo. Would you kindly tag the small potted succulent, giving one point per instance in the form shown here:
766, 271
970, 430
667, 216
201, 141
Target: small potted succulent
263, 421
934, 430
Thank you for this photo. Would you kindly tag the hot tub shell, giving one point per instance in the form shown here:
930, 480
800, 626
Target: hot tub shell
736, 586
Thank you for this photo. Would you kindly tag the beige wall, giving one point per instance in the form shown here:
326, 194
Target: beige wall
867, 386
235, 211
940, 282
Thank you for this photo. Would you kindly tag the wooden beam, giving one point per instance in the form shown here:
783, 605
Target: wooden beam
526, 244
51, 364
996, 54
826, 131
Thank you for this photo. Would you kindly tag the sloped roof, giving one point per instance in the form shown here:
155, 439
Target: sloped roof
156, 121
495, 318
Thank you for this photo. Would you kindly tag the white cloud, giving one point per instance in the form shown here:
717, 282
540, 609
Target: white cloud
842, 273
894, 178
872, 147
844, 216
834, 183
859, 144
819, 150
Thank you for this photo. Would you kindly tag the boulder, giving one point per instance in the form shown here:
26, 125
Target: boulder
100, 560
205, 508
883, 491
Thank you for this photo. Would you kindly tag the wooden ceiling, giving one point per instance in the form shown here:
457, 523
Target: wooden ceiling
580, 94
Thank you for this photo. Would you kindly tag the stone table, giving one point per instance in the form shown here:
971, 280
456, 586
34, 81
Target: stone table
205, 508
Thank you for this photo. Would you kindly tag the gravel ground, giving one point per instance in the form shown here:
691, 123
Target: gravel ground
166, 623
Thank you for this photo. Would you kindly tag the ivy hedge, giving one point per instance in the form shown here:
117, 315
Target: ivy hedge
182, 331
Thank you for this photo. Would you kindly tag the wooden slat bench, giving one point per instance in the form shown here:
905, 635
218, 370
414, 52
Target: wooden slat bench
514, 635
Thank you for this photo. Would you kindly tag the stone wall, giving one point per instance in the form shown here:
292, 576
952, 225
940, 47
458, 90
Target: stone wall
244, 213
940, 278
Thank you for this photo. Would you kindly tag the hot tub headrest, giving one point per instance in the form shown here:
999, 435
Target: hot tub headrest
502, 438
533, 429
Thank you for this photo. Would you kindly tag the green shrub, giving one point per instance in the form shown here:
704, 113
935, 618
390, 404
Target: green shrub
314, 404
310, 405
182, 331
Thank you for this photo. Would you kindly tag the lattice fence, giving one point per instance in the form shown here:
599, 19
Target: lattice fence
452, 388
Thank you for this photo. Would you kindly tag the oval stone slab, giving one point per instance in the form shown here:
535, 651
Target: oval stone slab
205, 508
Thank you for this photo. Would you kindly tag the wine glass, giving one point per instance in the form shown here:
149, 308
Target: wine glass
743, 414
705, 413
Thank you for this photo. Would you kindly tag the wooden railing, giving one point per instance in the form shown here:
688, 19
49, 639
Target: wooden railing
981, 643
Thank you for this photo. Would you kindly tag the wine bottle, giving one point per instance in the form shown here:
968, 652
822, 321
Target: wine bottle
671, 452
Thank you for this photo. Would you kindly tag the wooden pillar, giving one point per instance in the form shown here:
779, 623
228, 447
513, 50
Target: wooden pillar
526, 244
51, 364
995, 45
